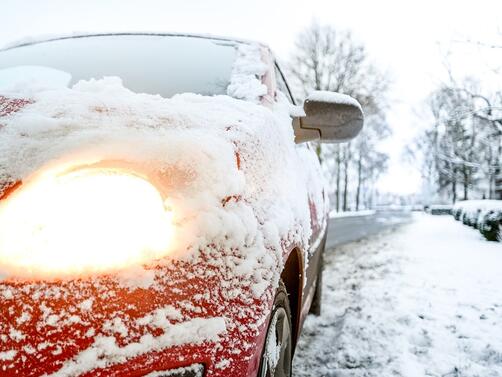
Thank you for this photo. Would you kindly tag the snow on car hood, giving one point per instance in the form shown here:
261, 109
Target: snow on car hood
224, 161
231, 173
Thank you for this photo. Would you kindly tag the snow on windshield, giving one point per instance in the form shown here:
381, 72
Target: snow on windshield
32, 78
153, 64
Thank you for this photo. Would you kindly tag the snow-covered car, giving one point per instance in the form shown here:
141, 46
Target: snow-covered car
456, 212
470, 216
490, 225
162, 212
484, 215
472, 212
439, 209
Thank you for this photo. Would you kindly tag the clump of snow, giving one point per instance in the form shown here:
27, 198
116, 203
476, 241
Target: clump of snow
86, 305
273, 347
105, 351
196, 370
422, 301
7, 294
116, 326
246, 76
222, 364
8, 355
136, 277
30, 79
333, 97
160, 318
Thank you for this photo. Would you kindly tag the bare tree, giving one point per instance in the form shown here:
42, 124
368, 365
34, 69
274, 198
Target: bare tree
464, 145
329, 59
370, 162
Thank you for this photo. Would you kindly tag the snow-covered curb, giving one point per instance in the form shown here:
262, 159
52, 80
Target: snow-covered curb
335, 215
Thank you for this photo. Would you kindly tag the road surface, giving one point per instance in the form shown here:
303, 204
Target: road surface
347, 229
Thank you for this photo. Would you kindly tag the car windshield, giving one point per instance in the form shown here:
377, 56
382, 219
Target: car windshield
153, 64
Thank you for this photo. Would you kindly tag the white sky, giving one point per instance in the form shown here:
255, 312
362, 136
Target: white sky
409, 38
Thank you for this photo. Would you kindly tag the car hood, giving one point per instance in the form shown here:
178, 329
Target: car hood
220, 162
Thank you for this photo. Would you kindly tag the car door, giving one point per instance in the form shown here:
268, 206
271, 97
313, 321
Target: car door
317, 205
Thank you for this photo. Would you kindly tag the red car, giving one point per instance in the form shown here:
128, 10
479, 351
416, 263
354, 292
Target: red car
162, 212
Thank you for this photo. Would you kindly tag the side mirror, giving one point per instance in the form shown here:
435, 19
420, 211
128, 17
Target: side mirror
329, 117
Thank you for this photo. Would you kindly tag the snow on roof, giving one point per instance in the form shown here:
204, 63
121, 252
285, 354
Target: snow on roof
52, 37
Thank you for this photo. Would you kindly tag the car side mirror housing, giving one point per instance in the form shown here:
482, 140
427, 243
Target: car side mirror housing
329, 117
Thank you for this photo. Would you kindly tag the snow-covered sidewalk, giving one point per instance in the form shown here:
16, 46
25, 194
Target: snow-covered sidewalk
425, 300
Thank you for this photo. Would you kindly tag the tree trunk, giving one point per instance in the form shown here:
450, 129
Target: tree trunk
359, 179
454, 185
465, 173
491, 185
346, 177
338, 177
318, 151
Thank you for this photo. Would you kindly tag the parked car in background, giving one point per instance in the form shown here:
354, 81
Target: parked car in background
491, 225
456, 212
484, 215
438, 209
161, 210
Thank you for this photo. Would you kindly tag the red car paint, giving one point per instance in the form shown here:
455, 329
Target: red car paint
109, 299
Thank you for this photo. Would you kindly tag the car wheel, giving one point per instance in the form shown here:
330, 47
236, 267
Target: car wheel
277, 352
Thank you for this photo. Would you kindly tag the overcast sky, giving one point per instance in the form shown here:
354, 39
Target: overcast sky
408, 38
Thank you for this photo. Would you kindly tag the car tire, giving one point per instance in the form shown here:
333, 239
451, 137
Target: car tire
277, 354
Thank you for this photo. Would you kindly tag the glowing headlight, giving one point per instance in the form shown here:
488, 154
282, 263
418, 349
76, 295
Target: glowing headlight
89, 220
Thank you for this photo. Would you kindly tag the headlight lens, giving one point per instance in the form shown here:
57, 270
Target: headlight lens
90, 220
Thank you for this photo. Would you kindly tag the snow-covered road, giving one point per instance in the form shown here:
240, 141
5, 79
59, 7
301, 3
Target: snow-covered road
425, 300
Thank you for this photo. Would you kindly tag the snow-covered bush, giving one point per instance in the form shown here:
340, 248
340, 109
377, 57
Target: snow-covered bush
485, 215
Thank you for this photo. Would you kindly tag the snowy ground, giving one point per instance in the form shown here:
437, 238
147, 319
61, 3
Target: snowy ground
425, 300
334, 214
